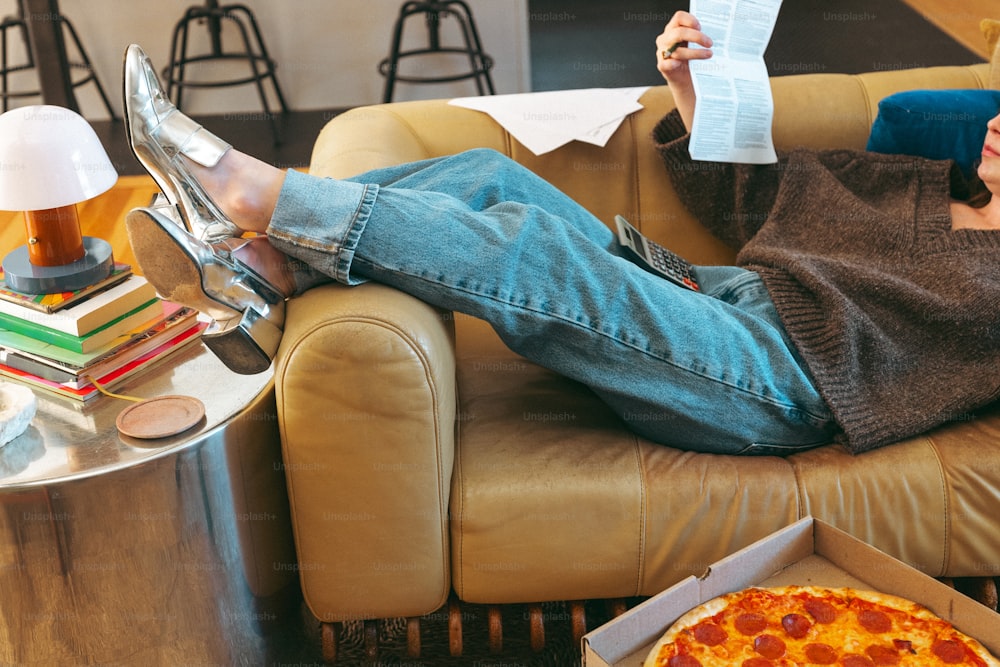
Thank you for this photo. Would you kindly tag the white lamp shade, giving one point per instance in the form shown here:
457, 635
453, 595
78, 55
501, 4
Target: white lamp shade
50, 157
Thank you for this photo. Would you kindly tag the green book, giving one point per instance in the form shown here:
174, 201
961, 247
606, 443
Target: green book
89, 314
147, 312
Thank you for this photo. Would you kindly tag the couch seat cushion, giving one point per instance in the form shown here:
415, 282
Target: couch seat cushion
552, 498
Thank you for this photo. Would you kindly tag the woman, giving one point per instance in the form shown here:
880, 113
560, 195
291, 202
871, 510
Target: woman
861, 308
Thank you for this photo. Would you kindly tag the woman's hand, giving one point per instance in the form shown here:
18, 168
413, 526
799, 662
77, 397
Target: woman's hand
673, 52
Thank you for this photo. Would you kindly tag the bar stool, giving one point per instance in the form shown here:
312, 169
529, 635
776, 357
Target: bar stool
19, 24
434, 11
255, 53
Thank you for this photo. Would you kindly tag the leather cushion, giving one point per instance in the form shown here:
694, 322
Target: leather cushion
552, 498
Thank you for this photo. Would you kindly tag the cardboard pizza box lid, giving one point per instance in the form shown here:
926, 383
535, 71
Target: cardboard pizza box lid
809, 552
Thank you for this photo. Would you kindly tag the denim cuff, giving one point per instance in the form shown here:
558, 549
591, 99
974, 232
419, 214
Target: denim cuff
323, 237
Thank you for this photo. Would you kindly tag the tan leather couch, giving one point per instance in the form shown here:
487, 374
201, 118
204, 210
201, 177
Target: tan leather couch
423, 457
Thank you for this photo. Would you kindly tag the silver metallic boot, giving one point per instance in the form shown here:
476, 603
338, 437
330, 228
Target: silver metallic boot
240, 283
159, 135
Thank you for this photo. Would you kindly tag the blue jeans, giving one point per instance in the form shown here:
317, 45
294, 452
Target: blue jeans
479, 234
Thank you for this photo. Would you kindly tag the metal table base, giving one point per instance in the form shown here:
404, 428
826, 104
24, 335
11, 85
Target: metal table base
166, 552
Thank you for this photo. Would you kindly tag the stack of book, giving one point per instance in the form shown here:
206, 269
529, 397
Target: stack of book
107, 332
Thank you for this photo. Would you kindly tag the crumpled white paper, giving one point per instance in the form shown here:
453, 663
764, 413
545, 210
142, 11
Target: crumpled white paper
545, 121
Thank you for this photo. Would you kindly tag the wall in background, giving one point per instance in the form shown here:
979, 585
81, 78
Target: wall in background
327, 50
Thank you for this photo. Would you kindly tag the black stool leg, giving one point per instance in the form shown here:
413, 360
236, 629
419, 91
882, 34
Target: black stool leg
174, 71
12, 23
3, 64
390, 66
481, 63
90, 68
434, 10
254, 51
215, 26
260, 76
265, 57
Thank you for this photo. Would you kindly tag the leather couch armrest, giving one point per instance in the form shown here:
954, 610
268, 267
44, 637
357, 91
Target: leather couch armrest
365, 383
365, 138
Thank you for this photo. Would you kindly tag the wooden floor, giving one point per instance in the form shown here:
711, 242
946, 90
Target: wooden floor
960, 20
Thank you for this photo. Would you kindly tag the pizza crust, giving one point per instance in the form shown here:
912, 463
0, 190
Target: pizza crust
718, 604
695, 616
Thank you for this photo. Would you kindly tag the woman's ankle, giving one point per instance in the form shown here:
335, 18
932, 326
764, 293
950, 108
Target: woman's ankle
245, 188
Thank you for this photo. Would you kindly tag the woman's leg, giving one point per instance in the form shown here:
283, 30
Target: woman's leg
479, 234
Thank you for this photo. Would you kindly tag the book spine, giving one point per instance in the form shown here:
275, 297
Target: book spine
28, 365
67, 341
175, 318
51, 303
86, 391
91, 313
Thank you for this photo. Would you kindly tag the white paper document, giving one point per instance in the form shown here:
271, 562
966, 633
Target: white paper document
734, 110
547, 120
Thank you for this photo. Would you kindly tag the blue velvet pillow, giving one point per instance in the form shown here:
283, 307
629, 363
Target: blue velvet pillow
936, 124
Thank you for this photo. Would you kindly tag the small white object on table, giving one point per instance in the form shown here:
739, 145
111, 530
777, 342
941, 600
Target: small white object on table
17, 409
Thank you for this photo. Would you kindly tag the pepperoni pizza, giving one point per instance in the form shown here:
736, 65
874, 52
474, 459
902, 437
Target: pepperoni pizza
800, 625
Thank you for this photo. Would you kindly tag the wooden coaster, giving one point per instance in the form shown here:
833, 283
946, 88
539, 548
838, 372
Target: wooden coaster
160, 417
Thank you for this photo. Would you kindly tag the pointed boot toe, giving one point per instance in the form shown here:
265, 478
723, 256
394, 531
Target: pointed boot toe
160, 137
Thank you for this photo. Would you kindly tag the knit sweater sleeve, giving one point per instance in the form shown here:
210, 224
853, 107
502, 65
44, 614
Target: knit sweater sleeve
731, 200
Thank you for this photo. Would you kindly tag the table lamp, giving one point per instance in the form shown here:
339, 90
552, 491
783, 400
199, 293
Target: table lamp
50, 160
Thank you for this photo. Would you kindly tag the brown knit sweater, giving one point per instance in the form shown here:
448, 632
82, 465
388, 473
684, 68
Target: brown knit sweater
896, 315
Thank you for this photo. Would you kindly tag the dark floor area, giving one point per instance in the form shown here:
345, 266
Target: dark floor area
590, 43
250, 133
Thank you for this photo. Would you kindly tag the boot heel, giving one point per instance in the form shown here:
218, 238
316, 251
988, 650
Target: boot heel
248, 312
245, 346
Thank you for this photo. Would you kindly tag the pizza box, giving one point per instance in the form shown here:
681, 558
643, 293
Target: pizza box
806, 553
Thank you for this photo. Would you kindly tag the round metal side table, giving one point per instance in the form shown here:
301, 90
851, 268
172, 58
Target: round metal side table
159, 552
